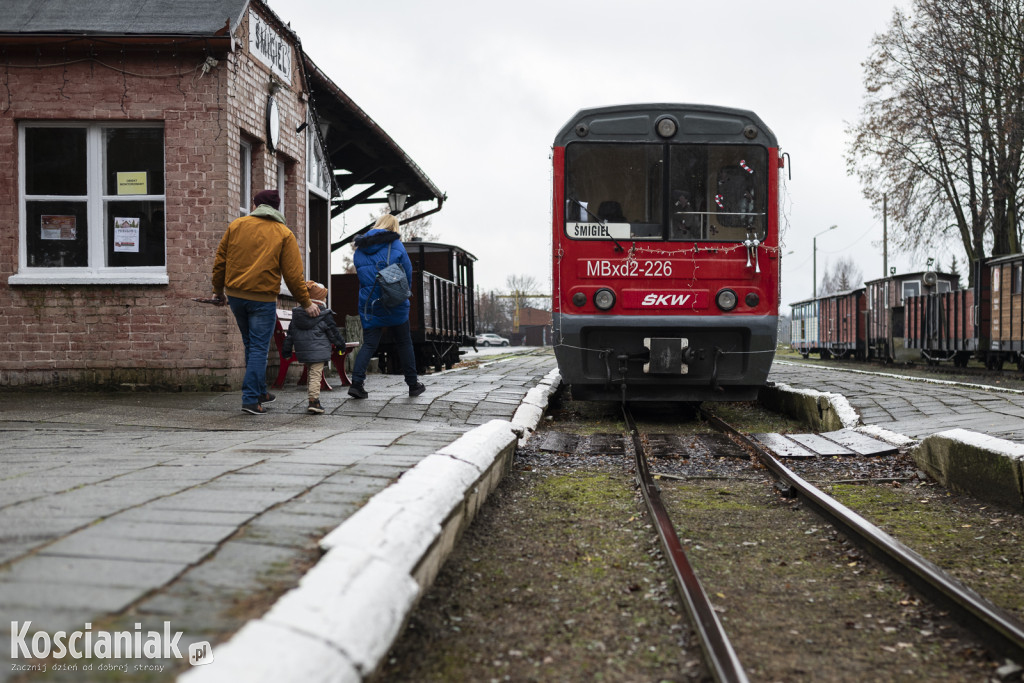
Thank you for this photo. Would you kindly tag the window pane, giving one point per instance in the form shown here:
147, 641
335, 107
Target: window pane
617, 184
135, 233
688, 197
57, 234
717, 192
55, 161
138, 154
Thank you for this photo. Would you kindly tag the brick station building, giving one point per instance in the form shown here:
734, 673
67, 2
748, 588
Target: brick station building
131, 140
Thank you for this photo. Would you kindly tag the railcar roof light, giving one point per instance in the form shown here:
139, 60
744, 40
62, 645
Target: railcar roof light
666, 126
604, 298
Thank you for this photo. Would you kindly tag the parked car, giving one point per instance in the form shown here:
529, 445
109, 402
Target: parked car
490, 339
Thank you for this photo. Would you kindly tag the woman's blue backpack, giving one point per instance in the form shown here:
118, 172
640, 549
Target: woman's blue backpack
391, 284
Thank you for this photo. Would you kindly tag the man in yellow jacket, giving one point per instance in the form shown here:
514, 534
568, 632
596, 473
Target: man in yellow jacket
255, 252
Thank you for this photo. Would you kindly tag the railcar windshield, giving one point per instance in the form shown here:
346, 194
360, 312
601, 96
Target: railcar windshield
665, 192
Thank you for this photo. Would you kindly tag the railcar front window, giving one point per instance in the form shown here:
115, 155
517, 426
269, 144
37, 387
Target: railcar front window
622, 192
718, 192
619, 186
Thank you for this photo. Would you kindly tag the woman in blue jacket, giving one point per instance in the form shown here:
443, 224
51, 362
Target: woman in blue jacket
372, 253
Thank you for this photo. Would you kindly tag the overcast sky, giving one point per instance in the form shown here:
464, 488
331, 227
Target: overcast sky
475, 93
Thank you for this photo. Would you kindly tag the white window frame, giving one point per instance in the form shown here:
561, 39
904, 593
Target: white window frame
903, 290
282, 182
245, 177
95, 200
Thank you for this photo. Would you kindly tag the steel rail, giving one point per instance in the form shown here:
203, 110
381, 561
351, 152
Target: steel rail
1005, 633
722, 660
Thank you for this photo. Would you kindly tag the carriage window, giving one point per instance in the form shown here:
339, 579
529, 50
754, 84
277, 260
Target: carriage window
620, 185
717, 192
912, 288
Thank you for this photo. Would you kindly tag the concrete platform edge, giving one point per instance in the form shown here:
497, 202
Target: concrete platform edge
982, 466
340, 621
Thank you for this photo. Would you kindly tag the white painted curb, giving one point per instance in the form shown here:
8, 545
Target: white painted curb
340, 621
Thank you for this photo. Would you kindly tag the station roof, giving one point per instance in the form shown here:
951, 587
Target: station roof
359, 150
122, 17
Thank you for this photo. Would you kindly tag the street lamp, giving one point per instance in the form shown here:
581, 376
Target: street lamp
815, 272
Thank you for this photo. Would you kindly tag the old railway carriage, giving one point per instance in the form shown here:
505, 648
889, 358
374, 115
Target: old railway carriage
831, 325
441, 315
665, 252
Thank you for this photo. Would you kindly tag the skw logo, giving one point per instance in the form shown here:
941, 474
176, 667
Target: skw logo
666, 299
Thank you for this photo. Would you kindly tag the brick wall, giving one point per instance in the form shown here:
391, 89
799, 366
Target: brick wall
96, 335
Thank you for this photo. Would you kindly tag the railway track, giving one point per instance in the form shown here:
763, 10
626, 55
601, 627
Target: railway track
998, 629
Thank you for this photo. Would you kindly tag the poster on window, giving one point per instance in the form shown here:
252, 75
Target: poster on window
58, 227
126, 234
131, 182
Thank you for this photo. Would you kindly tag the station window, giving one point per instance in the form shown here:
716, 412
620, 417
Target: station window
245, 178
92, 208
1016, 284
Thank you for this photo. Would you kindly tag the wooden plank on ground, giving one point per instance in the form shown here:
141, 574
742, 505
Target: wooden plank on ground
861, 444
559, 442
822, 446
783, 447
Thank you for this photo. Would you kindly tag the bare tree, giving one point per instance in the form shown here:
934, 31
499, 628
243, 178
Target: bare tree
493, 313
842, 276
941, 132
524, 284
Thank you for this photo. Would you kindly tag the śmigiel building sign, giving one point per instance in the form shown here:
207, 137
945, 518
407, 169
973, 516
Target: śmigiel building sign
269, 47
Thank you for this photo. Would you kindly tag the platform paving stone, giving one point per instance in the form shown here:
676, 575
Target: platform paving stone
121, 508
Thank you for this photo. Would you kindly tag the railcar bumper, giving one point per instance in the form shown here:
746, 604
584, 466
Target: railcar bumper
725, 358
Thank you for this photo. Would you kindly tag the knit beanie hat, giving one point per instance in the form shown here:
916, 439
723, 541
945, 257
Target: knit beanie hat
268, 197
317, 292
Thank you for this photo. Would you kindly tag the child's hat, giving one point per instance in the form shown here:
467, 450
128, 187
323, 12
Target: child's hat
316, 291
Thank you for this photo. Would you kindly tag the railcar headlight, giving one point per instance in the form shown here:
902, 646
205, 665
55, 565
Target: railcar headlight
726, 299
752, 299
604, 299
579, 298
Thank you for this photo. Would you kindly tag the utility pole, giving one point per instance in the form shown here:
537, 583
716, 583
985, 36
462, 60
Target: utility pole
885, 236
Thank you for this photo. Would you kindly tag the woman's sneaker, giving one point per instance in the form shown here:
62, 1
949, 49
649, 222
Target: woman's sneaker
314, 407
417, 389
356, 390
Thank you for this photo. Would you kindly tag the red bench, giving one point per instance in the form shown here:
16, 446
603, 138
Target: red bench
284, 318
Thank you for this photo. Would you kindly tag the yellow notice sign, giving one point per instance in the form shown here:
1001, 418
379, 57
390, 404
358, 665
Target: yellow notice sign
131, 182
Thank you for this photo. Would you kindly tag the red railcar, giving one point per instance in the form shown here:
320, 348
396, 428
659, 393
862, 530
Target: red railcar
665, 252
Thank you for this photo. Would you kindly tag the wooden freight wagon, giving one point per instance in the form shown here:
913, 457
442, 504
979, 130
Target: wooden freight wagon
842, 324
804, 327
943, 326
886, 312
441, 316
1005, 312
